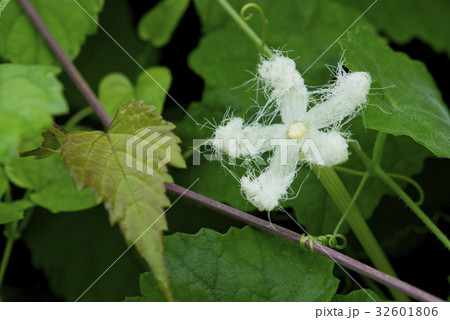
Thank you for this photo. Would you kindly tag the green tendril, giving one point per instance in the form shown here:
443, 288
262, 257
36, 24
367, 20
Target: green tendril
303, 240
328, 240
246, 16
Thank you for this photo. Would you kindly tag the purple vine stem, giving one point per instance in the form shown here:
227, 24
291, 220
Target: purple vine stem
338, 257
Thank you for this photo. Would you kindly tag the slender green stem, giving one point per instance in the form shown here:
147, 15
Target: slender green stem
378, 147
351, 171
10, 231
77, 117
244, 26
341, 197
376, 170
350, 206
392, 175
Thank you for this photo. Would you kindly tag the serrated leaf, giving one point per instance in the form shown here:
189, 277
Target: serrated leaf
73, 249
360, 295
135, 200
158, 24
48, 180
151, 86
68, 23
241, 265
29, 96
403, 20
13, 211
410, 103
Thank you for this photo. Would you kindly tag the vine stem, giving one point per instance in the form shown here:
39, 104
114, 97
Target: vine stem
377, 171
261, 224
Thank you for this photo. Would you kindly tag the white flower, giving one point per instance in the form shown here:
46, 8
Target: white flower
301, 130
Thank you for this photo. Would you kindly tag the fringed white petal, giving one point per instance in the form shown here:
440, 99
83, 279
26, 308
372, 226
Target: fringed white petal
348, 94
237, 140
285, 85
271, 186
324, 148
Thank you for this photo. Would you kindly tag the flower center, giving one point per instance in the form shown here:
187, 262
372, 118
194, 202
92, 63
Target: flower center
297, 130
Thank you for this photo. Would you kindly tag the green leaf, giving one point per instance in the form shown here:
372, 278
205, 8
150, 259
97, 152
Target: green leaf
241, 265
360, 295
100, 55
74, 249
158, 24
403, 20
114, 90
409, 103
13, 211
29, 96
67, 21
135, 200
151, 86
53, 139
3, 4
50, 183
4, 186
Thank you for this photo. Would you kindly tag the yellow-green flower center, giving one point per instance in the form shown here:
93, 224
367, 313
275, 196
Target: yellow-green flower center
297, 130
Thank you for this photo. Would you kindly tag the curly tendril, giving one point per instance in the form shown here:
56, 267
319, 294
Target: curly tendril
328, 240
246, 16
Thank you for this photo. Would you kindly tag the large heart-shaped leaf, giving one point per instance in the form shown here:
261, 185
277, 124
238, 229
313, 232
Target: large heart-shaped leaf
241, 265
